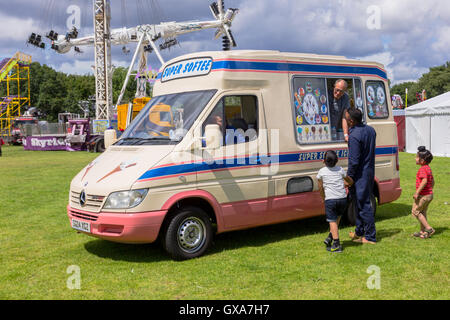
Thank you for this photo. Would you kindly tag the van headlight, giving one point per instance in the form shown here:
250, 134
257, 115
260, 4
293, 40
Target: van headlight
125, 199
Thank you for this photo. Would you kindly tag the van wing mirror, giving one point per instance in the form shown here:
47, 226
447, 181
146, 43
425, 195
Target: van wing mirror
212, 139
213, 136
110, 137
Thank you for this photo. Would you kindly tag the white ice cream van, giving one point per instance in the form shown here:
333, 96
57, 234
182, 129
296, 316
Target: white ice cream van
231, 140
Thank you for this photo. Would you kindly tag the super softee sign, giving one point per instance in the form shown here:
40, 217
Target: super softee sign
187, 68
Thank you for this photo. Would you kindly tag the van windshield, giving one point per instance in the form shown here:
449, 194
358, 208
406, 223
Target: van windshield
166, 119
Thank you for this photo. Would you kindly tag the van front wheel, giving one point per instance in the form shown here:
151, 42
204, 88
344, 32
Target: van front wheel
188, 234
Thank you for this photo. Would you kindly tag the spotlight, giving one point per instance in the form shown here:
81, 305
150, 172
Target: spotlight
148, 48
169, 43
73, 34
36, 40
52, 35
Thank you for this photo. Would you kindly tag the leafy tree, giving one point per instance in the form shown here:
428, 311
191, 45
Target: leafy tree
118, 80
435, 82
55, 92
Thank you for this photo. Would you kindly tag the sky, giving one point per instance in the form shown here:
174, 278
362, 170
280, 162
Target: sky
407, 36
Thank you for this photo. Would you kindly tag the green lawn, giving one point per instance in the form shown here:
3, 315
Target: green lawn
286, 261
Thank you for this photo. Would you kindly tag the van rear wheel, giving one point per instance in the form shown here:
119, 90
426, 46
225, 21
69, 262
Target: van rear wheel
189, 234
351, 210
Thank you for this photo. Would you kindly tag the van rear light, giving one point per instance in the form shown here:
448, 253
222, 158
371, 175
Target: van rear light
397, 162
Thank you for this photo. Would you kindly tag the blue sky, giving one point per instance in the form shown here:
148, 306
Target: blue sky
407, 36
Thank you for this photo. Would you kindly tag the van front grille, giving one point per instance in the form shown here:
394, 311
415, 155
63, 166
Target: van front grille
93, 202
83, 215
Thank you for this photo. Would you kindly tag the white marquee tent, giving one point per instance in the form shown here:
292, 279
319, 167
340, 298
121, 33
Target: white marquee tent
428, 124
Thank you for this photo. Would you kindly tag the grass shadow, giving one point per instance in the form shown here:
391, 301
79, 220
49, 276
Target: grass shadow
439, 231
391, 211
254, 237
386, 233
260, 236
152, 252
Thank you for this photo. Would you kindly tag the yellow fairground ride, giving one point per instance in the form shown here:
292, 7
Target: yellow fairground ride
15, 72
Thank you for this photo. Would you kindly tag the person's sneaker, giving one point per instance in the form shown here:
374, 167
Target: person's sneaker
335, 247
328, 241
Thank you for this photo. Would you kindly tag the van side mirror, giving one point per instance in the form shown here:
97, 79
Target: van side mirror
110, 137
213, 136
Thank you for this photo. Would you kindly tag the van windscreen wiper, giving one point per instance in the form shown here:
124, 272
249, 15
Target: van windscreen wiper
141, 141
123, 140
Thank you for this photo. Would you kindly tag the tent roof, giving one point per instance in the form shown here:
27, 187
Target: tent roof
439, 105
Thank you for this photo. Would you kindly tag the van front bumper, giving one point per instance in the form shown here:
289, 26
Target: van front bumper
140, 227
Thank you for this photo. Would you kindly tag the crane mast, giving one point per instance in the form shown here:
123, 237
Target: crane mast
103, 68
145, 35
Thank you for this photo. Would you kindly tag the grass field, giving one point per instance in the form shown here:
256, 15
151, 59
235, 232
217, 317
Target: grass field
286, 261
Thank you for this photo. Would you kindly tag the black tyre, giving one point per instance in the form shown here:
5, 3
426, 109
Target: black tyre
100, 146
188, 234
351, 210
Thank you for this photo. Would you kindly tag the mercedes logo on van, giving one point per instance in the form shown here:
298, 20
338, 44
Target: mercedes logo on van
82, 198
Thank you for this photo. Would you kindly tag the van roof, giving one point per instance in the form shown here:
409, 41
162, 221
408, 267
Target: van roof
275, 55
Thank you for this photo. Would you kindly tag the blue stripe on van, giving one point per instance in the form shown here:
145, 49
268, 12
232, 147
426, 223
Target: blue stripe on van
296, 67
293, 67
234, 163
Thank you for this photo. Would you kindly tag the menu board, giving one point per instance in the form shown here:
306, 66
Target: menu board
376, 100
311, 110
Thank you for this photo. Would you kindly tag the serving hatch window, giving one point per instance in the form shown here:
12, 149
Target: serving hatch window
319, 118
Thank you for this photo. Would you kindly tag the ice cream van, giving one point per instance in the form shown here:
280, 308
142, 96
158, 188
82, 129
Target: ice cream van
247, 136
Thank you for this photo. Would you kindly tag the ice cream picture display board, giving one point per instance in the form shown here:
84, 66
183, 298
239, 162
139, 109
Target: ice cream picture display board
312, 119
377, 107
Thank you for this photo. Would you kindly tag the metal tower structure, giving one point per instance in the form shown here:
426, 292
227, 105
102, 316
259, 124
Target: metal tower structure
145, 35
103, 68
15, 72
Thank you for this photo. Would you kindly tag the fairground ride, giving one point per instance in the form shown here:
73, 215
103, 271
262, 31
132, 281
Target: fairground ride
144, 35
15, 73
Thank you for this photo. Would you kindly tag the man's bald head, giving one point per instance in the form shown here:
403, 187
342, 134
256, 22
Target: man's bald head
340, 86
342, 82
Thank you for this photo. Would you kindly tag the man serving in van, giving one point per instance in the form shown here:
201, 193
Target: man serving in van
339, 102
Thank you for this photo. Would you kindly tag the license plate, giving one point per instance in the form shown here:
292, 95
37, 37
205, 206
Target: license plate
81, 225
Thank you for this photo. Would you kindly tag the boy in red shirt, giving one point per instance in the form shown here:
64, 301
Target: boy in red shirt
424, 192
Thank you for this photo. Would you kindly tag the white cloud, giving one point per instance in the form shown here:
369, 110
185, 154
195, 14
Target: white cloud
408, 71
77, 67
413, 35
14, 28
386, 59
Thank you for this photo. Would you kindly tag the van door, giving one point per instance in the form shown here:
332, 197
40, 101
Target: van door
234, 172
305, 132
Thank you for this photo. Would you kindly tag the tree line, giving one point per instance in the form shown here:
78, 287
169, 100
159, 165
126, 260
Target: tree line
435, 82
53, 92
